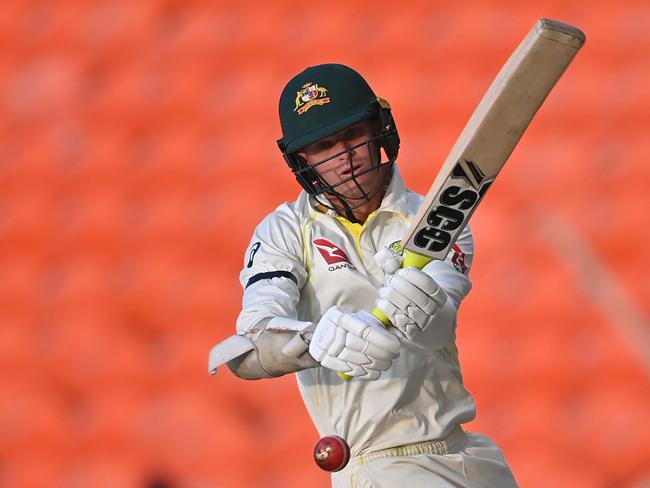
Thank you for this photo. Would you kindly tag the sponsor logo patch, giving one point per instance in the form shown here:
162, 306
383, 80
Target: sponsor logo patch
332, 254
458, 259
396, 247
310, 95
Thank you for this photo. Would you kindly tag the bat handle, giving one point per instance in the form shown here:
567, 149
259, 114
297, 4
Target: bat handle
411, 260
415, 260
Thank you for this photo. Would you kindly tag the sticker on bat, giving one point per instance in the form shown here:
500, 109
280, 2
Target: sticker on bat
457, 199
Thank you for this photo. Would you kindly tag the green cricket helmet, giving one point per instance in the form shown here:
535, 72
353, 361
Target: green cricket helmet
321, 101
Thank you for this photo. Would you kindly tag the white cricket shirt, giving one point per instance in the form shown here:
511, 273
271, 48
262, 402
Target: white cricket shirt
300, 262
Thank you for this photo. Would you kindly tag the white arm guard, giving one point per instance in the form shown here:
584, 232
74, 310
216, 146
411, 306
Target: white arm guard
279, 349
232, 348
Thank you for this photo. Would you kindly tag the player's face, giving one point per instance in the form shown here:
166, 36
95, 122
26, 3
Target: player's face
342, 158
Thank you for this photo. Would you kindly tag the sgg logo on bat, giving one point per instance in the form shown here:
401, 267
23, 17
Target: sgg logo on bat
453, 207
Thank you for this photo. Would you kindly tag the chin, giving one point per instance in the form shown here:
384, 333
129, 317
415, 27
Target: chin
350, 190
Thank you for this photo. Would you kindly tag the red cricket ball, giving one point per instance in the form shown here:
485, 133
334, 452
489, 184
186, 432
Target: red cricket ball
331, 453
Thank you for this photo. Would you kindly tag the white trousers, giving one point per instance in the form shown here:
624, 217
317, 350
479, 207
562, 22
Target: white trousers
472, 461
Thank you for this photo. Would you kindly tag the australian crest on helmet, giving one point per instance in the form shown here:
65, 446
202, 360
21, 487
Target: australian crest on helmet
311, 94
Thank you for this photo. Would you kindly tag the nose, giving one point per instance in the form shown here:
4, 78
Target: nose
345, 146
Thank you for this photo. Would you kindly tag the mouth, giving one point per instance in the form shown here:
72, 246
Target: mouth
350, 170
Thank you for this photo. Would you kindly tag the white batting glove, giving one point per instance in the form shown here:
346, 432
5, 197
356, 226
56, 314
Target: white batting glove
388, 260
353, 343
410, 298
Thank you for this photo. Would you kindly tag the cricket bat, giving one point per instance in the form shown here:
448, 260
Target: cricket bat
488, 139
490, 136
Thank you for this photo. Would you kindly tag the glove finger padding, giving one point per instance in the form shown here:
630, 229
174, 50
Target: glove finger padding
352, 324
325, 333
377, 335
410, 299
337, 364
399, 317
399, 320
418, 286
379, 364
377, 352
354, 357
354, 344
369, 375
388, 260
404, 295
372, 350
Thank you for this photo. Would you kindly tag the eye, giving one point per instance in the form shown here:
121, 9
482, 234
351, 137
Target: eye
324, 145
353, 133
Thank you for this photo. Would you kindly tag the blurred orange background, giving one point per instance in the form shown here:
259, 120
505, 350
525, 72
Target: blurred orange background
137, 154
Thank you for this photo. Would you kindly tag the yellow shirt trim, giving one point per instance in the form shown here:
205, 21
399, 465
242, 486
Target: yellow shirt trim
355, 229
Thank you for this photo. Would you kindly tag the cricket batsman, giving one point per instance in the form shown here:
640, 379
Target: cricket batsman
316, 267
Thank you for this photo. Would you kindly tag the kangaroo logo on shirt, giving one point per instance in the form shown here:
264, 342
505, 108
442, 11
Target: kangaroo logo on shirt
332, 254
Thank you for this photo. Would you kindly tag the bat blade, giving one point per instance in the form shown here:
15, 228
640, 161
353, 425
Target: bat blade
490, 136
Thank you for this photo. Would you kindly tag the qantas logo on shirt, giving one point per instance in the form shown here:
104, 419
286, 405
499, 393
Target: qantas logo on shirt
332, 254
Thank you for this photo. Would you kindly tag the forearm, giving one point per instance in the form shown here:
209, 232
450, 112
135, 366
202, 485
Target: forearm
280, 348
277, 342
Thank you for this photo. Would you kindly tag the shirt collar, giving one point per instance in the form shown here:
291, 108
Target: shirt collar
395, 197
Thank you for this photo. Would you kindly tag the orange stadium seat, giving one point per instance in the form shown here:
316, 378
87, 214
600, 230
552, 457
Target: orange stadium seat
137, 154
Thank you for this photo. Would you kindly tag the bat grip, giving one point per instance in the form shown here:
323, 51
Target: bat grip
411, 260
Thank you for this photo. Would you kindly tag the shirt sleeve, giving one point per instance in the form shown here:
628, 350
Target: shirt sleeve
273, 272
